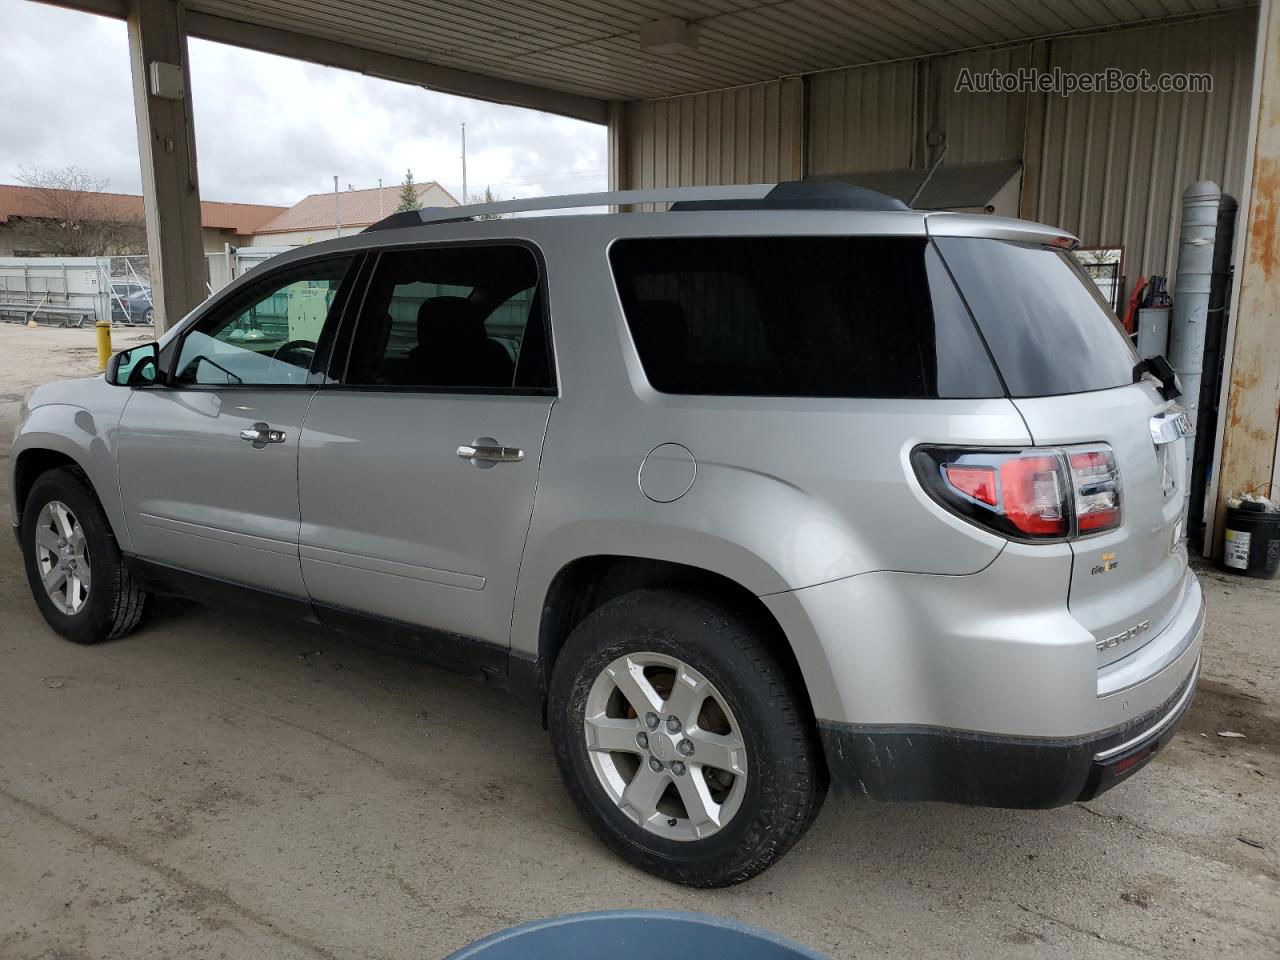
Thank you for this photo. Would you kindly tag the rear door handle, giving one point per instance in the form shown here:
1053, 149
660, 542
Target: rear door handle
486, 452
260, 434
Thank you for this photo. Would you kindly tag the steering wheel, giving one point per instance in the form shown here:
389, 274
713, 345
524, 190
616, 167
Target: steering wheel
297, 353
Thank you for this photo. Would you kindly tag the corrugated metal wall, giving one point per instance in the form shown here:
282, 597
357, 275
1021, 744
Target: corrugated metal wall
744, 135
986, 126
864, 119
1109, 167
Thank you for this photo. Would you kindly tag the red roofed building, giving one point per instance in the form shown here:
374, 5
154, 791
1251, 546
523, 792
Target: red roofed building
313, 217
25, 210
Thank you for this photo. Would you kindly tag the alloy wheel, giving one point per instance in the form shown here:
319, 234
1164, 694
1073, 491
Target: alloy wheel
62, 555
665, 746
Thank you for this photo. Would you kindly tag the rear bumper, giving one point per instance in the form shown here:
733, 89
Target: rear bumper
954, 766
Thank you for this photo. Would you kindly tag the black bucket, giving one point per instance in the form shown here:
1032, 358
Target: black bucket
1252, 542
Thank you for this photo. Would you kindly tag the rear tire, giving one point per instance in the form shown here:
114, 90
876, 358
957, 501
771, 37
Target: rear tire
105, 605
709, 827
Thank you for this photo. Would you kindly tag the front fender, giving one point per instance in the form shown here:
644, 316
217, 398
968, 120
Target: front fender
86, 437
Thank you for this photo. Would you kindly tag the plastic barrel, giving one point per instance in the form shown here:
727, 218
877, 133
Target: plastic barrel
633, 935
1251, 542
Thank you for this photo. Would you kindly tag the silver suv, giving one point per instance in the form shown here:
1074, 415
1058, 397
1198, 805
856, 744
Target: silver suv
779, 487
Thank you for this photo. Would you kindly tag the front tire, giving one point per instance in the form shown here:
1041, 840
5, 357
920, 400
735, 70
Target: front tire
682, 740
77, 575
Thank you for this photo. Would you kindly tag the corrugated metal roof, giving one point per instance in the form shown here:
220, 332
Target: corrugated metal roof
592, 47
358, 208
243, 218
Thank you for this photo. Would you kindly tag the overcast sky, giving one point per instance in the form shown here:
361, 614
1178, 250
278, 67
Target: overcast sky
268, 129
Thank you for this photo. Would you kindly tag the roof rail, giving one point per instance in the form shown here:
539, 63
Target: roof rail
798, 195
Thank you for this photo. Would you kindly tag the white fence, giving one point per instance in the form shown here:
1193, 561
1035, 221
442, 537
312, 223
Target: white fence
70, 290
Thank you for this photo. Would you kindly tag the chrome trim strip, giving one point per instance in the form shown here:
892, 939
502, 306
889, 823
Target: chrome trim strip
1160, 725
1173, 424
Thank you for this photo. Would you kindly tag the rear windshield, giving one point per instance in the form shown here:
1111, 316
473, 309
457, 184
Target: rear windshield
1044, 321
799, 317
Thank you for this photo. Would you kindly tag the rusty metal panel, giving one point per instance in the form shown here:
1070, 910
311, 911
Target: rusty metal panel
1249, 451
863, 119
1112, 167
744, 135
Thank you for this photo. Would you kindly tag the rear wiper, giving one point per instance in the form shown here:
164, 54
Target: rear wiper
1162, 370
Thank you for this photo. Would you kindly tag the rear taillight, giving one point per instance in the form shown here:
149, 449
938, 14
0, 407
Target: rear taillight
1028, 494
1097, 487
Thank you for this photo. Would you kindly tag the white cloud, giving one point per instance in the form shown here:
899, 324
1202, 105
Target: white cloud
269, 129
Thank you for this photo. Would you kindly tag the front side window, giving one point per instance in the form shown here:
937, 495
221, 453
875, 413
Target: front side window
465, 318
266, 334
824, 316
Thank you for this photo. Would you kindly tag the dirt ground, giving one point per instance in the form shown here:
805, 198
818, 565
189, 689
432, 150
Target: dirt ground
216, 786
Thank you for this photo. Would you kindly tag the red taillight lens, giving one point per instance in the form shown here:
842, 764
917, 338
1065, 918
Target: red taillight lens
1097, 490
976, 482
1031, 494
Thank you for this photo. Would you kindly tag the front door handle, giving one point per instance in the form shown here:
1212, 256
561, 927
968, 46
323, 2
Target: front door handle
486, 452
260, 434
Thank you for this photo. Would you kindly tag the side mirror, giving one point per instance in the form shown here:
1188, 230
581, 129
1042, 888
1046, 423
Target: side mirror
137, 367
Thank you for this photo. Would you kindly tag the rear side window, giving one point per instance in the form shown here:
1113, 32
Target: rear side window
1047, 326
799, 317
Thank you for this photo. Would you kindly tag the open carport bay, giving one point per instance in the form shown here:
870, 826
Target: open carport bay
218, 785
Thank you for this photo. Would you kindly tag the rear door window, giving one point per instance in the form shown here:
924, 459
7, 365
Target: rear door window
1045, 322
799, 316
466, 318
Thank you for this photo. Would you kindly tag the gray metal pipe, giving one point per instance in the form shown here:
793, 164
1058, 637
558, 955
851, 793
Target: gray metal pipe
1211, 370
1191, 300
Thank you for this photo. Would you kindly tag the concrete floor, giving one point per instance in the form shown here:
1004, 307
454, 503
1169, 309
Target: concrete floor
215, 786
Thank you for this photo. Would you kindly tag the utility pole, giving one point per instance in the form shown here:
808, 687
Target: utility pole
337, 208
379, 198
464, 164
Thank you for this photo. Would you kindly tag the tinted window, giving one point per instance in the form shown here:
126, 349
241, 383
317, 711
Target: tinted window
798, 316
267, 333
467, 317
1045, 322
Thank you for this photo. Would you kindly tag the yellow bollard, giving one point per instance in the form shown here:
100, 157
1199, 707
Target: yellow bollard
104, 343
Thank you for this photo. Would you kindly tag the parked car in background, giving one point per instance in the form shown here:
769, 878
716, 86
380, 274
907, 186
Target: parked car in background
131, 303
784, 486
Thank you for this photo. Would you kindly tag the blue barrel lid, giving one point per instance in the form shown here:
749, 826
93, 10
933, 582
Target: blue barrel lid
635, 935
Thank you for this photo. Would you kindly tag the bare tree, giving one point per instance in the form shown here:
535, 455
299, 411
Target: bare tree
73, 218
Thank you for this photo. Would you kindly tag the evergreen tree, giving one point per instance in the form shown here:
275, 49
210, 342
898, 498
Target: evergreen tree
408, 194
490, 197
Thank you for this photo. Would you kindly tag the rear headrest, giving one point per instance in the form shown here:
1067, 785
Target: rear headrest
451, 318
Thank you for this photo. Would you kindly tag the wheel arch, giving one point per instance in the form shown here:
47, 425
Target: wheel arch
37, 452
586, 583
28, 466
